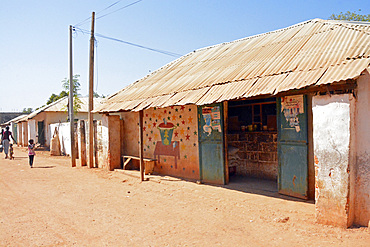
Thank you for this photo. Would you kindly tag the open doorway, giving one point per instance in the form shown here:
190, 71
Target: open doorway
253, 143
41, 132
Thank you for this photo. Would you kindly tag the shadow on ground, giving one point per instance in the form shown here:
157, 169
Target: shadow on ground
239, 183
43, 167
258, 186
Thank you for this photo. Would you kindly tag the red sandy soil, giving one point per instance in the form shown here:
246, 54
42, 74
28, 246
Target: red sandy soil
54, 204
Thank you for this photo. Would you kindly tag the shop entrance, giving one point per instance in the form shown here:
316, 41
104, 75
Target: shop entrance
267, 140
253, 142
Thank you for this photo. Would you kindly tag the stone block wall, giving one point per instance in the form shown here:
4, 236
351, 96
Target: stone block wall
256, 155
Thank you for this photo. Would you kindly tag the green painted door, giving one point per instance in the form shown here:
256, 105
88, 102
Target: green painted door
15, 132
211, 144
41, 132
292, 146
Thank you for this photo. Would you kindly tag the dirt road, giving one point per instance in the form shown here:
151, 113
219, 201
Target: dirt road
53, 204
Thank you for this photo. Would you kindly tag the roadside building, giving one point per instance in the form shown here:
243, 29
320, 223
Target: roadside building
291, 105
36, 124
13, 124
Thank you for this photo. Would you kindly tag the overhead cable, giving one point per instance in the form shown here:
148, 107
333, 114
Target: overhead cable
172, 54
113, 4
140, 46
109, 7
119, 9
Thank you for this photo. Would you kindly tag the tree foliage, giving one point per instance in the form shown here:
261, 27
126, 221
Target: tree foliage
96, 95
27, 110
65, 92
76, 87
54, 97
350, 16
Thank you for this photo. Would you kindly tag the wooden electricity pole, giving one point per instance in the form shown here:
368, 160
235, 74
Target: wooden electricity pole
71, 87
91, 94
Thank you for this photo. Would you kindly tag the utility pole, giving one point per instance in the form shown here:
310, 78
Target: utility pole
71, 87
91, 94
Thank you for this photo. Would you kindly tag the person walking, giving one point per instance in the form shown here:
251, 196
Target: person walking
31, 152
6, 140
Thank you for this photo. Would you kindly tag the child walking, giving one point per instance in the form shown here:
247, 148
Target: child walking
11, 152
31, 152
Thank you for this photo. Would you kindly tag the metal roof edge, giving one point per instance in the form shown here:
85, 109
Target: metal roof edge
205, 48
35, 113
260, 34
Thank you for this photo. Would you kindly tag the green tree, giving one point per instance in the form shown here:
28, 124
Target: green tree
76, 87
55, 97
350, 16
96, 95
27, 110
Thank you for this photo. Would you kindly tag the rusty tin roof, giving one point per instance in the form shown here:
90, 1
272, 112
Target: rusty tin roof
314, 52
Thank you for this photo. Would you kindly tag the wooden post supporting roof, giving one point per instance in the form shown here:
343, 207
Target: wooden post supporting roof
226, 157
141, 147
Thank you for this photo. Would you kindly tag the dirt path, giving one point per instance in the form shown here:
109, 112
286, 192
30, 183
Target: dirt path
56, 205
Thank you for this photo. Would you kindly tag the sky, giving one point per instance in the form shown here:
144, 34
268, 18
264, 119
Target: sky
34, 39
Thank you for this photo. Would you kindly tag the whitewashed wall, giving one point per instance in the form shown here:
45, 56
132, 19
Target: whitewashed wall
332, 136
64, 136
32, 130
102, 133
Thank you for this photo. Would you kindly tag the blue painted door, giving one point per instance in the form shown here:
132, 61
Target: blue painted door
292, 146
211, 144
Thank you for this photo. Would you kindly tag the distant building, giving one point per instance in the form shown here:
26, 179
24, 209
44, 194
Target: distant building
6, 116
36, 124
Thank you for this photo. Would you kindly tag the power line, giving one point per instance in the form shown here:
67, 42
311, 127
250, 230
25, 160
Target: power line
113, 4
119, 9
109, 7
82, 22
172, 54
140, 46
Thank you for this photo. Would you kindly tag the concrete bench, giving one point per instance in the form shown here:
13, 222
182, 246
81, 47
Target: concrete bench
148, 163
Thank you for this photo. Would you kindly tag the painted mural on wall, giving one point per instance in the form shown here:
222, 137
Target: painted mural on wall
171, 137
292, 106
212, 119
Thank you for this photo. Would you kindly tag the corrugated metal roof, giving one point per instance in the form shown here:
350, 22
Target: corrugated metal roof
61, 106
310, 53
17, 119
